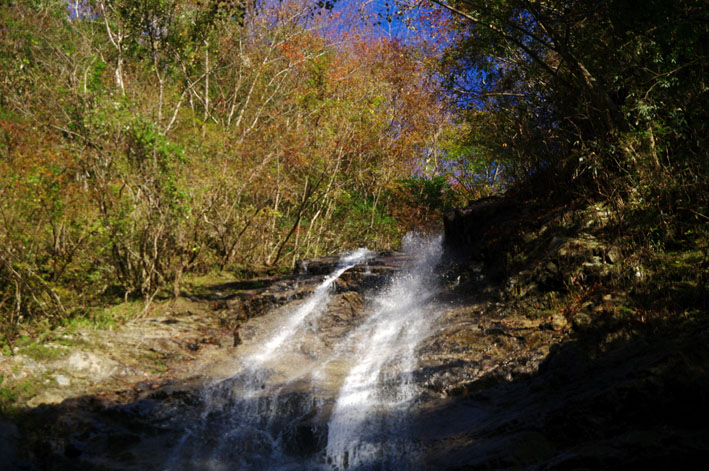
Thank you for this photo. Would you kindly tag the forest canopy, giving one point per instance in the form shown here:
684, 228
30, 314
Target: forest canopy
603, 96
144, 141
140, 141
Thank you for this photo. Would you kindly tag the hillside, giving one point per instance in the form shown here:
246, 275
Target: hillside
177, 178
523, 368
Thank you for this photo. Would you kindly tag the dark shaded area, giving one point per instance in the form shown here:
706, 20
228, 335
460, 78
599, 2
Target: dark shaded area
601, 400
625, 387
491, 229
159, 428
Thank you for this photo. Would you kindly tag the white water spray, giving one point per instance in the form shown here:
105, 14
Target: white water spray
271, 413
367, 426
314, 305
244, 407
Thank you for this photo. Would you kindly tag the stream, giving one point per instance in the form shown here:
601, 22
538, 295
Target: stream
301, 398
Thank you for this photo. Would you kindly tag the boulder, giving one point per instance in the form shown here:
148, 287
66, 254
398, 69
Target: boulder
88, 364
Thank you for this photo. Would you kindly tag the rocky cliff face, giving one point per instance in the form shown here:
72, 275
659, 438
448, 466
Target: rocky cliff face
520, 371
580, 380
126, 396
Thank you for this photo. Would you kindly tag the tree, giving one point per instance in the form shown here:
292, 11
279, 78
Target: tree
143, 141
576, 91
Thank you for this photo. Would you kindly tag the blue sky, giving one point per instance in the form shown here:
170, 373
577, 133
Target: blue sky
388, 20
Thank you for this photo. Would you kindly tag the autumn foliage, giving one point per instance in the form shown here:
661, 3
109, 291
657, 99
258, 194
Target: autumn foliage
141, 141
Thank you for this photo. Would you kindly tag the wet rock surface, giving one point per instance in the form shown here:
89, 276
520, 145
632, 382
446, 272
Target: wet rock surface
562, 374
503, 386
122, 399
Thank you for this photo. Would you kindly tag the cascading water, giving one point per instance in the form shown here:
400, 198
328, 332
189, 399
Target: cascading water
239, 429
314, 305
296, 402
367, 428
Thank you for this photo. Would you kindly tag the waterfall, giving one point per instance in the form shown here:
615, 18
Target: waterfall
239, 426
314, 305
367, 428
299, 398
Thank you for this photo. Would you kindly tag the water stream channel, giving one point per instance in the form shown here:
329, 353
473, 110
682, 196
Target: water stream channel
410, 361
298, 397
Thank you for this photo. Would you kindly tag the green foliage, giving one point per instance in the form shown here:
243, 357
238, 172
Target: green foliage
40, 352
418, 203
12, 392
7, 395
105, 317
433, 193
366, 220
585, 97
